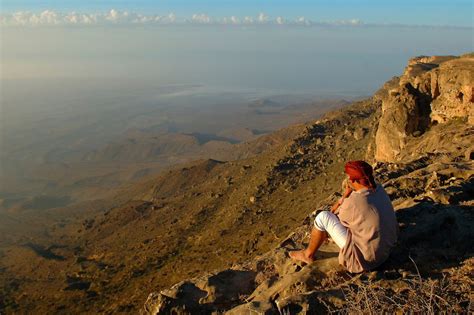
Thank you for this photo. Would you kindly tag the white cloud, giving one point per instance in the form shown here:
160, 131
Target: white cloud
303, 21
75, 18
49, 17
262, 18
113, 17
248, 20
234, 20
171, 18
279, 20
27, 18
201, 18
353, 22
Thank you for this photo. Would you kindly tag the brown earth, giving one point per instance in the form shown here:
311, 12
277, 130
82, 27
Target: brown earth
217, 223
430, 181
180, 224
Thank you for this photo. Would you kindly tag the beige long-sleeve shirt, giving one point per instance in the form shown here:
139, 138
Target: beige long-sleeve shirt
372, 229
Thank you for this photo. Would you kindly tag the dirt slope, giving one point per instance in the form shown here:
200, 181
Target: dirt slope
210, 215
430, 179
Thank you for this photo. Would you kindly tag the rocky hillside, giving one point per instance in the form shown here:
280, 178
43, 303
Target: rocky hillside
181, 223
432, 90
226, 227
418, 133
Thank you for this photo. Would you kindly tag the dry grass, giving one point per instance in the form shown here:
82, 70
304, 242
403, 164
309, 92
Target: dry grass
450, 294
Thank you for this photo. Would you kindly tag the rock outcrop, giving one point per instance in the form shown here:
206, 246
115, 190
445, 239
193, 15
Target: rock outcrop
422, 153
434, 203
431, 90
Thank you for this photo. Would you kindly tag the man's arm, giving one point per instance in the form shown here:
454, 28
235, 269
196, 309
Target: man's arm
347, 193
336, 205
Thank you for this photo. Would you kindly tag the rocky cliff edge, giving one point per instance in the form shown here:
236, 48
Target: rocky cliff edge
421, 148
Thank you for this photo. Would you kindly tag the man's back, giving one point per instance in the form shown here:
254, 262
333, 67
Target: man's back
372, 229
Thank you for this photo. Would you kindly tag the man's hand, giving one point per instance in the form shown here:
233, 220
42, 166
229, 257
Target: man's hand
336, 206
347, 193
348, 190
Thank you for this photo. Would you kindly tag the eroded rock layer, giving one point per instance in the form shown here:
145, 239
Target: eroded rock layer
431, 90
421, 149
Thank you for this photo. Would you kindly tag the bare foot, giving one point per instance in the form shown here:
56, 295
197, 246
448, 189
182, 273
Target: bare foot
301, 256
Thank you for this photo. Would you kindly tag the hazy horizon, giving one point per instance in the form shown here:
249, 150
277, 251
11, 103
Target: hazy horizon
317, 59
74, 80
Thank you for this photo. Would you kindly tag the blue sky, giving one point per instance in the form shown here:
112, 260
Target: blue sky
426, 12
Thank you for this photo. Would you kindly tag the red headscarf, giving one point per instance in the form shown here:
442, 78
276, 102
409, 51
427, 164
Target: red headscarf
360, 171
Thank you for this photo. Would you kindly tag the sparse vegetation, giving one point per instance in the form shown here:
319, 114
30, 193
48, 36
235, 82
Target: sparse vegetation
210, 215
448, 293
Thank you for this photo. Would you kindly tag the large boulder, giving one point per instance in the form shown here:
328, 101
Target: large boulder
431, 90
405, 112
452, 87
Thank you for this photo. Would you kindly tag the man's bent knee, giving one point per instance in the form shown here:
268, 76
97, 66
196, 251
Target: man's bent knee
321, 220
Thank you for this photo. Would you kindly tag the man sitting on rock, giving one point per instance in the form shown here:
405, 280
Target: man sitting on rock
365, 227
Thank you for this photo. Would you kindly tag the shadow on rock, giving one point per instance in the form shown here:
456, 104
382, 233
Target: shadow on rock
433, 236
204, 295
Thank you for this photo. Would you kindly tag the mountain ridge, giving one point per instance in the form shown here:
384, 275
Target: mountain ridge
212, 236
430, 181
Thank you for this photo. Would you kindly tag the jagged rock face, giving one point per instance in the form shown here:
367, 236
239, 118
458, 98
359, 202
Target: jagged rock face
404, 112
431, 90
431, 187
452, 86
433, 200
